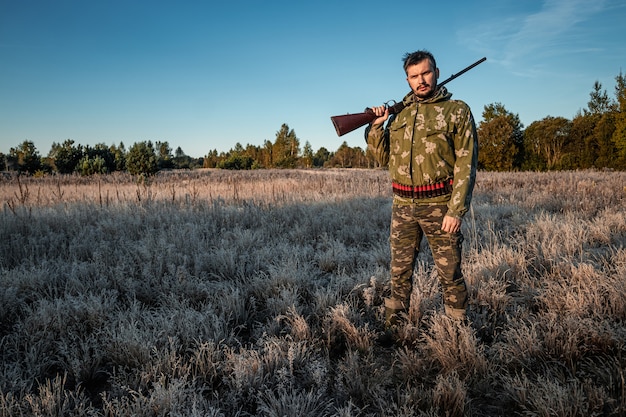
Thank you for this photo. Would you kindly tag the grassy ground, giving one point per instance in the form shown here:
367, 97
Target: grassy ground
259, 293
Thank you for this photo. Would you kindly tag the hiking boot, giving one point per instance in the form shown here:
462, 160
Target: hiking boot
393, 310
455, 313
392, 317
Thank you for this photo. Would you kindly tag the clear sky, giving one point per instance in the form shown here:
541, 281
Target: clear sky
206, 75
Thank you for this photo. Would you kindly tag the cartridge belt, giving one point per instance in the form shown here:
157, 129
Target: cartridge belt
422, 191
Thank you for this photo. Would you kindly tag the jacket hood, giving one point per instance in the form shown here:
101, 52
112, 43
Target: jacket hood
441, 94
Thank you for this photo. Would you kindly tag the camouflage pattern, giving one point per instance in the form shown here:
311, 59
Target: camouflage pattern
409, 224
428, 142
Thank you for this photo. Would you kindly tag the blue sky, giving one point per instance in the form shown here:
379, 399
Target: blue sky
205, 76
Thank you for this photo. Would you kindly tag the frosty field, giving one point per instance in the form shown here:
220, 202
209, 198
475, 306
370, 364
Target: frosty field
259, 293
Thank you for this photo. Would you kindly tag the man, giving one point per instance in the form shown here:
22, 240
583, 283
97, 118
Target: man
431, 148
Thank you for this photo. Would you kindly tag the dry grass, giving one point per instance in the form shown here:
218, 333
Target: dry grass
219, 293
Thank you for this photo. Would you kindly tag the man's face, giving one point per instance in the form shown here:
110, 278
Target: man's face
422, 78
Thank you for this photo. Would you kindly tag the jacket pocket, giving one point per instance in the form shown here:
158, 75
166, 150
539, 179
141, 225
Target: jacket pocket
442, 139
396, 138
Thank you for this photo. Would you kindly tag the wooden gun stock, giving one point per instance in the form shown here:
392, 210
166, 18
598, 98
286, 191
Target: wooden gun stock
348, 122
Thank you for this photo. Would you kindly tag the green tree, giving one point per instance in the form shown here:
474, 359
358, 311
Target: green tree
181, 161
619, 135
164, 154
3, 162
307, 155
582, 149
599, 102
268, 154
321, 156
591, 144
92, 165
347, 157
286, 148
142, 159
497, 147
603, 139
66, 156
500, 152
548, 139
195, 163
256, 154
103, 152
211, 159
26, 157
236, 161
119, 156
342, 158
238, 149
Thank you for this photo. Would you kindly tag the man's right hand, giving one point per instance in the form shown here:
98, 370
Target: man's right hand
383, 114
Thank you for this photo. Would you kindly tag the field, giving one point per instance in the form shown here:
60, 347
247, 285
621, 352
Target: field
259, 293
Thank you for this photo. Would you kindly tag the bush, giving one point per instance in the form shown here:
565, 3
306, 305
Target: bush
142, 159
236, 162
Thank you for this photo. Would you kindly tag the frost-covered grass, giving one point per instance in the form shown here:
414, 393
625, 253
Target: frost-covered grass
221, 293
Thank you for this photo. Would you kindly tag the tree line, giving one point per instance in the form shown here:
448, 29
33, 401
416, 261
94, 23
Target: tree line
594, 138
147, 158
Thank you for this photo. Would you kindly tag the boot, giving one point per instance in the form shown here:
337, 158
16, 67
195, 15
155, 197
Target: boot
391, 317
455, 313
393, 310
388, 337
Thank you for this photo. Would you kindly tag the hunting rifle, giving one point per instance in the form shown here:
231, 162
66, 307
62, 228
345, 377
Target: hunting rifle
349, 122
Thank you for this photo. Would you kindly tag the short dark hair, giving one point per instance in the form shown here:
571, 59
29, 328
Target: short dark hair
413, 58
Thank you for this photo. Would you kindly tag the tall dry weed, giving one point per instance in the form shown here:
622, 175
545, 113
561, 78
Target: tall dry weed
294, 403
454, 347
449, 395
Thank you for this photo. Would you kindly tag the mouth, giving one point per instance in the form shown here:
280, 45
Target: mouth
423, 89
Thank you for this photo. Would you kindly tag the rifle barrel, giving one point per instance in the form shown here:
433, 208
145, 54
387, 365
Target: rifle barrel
349, 122
463, 71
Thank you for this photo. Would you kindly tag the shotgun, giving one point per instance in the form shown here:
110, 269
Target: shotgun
348, 122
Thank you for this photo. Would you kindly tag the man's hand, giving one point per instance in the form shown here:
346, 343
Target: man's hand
451, 224
383, 114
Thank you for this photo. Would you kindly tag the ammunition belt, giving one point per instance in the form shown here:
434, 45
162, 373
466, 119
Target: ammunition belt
422, 191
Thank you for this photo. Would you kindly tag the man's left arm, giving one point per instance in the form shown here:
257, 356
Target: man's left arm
466, 151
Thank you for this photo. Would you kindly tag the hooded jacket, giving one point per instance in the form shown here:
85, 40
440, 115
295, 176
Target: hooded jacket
428, 142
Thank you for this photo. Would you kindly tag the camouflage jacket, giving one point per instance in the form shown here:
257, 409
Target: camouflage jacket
428, 142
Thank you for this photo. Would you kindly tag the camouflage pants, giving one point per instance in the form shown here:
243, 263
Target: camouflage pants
409, 224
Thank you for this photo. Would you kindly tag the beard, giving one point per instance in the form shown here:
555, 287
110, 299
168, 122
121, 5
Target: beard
424, 91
